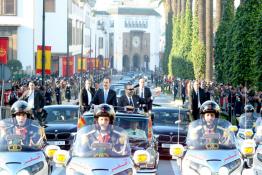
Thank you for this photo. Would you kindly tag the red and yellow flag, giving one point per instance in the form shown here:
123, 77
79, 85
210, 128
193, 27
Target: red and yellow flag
84, 68
81, 122
47, 60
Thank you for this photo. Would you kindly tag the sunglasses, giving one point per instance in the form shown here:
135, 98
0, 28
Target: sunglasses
130, 89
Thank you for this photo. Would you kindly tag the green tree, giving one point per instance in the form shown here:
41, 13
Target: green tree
14, 65
197, 53
222, 36
245, 48
168, 42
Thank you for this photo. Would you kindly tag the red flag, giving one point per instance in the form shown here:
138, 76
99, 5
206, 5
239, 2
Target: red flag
3, 50
81, 122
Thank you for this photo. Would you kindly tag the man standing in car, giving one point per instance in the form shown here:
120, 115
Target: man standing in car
145, 94
129, 99
105, 95
86, 95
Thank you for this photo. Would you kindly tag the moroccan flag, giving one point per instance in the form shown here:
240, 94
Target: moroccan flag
47, 60
81, 122
70, 63
3, 50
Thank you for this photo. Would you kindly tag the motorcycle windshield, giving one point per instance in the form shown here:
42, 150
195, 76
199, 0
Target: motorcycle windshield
96, 141
210, 138
247, 122
21, 136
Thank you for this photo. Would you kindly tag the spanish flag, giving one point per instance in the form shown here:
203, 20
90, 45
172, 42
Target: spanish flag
81, 122
48, 56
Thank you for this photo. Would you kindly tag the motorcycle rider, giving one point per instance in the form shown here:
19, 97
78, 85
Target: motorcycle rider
21, 125
248, 119
105, 133
208, 129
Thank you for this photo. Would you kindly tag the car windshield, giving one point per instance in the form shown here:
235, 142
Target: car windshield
170, 118
91, 141
136, 127
218, 137
15, 138
64, 115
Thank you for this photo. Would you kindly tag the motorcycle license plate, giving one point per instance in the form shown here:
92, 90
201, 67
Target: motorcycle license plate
56, 142
164, 145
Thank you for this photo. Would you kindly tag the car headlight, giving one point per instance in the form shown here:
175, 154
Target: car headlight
3, 171
141, 157
50, 150
176, 150
126, 172
33, 169
204, 171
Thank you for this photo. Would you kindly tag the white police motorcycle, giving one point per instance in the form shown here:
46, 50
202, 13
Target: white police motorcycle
21, 149
209, 152
257, 163
245, 135
95, 155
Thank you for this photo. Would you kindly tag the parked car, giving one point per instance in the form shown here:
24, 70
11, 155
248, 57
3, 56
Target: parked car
61, 122
166, 125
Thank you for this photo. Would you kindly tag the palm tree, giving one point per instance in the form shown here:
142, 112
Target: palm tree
209, 39
218, 13
178, 8
202, 21
183, 7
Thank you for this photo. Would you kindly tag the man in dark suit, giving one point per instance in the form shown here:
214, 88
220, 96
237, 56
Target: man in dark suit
194, 101
86, 95
129, 99
35, 100
105, 95
145, 94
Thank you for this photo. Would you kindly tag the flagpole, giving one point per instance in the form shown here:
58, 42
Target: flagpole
43, 45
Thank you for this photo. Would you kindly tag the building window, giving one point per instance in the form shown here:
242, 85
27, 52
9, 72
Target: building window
50, 5
8, 7
100, 43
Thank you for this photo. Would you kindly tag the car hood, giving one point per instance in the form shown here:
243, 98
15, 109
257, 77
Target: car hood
167, 130
61, 127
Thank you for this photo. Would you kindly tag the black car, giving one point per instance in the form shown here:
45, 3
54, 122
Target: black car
61, 124
140, 139
166, 126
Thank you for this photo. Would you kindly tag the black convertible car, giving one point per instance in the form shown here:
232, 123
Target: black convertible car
167, 123
61, 124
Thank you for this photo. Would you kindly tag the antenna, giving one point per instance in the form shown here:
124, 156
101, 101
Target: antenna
244, 109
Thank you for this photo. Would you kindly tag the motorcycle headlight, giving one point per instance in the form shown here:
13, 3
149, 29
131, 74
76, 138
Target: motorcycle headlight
126, 172
33, 169
233, 165
3, 171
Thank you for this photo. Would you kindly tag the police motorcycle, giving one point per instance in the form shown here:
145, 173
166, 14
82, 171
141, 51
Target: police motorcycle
211, 149
245, 133
257, 161
99, 149
21, 149
22, 143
